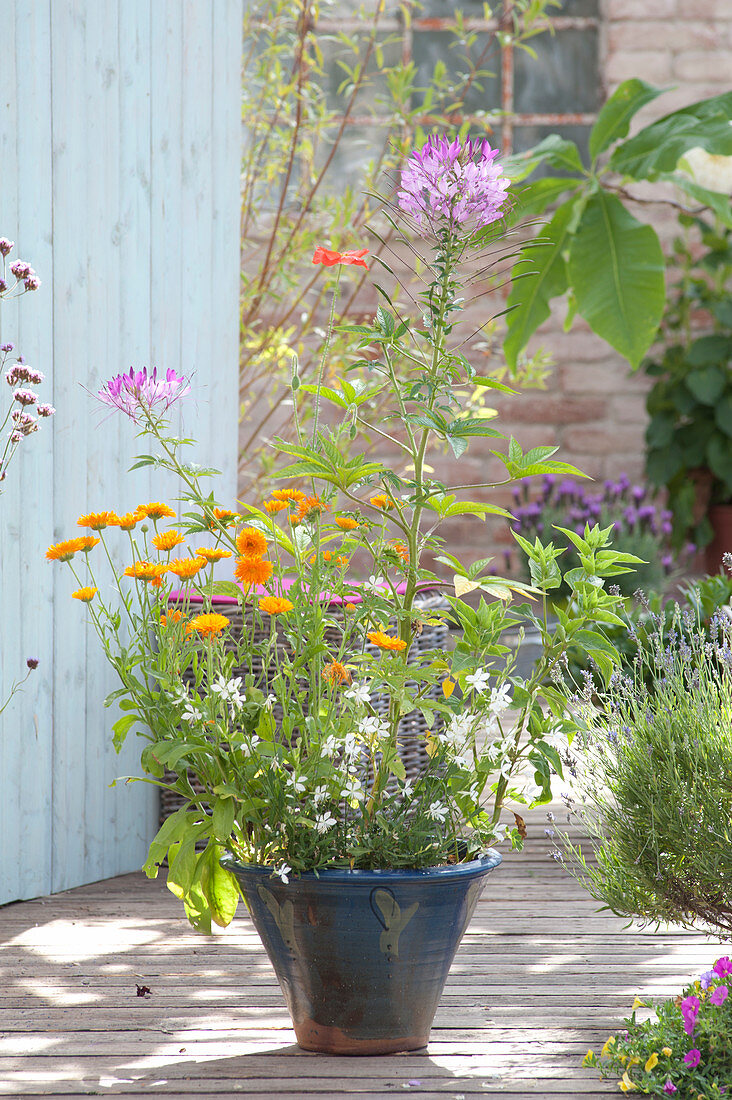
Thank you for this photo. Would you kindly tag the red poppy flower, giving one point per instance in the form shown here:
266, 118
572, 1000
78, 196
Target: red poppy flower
330, 259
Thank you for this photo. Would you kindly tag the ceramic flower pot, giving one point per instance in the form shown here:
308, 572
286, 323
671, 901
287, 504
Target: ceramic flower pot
362, 956
720, 517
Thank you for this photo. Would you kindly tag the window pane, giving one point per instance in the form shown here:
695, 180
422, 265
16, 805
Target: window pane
430, 47
372, 91
444, 9
562, 77
589, 9
359, 147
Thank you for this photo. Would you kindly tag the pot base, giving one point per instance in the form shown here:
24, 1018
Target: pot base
324, 1039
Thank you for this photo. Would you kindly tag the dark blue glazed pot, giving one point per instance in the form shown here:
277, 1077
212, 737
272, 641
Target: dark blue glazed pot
362, 956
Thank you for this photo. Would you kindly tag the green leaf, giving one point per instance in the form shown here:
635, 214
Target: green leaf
709, 350
659, 147
719, 456
534, 198
546, 269
613, 120
218, 887
226, 588
707, 384
616, 269
716, 201
223, 814
723, 414
555, 150
121, 728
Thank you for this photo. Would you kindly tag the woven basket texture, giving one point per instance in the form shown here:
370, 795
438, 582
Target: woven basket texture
412, 726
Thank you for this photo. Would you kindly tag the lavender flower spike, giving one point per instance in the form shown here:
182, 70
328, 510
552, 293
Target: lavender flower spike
139, 391
454, 183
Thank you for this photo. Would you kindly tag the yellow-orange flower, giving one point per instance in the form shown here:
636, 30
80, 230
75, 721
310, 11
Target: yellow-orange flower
287, 495
350, 606
337, 673
385, 641
207, 624
185, 568
171, 617
342, 561
145, 570
346, 523
251, 543
87, 543
127, 522
155, 510
275, 605
448, 686
86, 595
381, 501
294, 521
225, 516
273, 506
310, 507
167, 540
250, 570
97, 521
401, 549
212, 555
64, 551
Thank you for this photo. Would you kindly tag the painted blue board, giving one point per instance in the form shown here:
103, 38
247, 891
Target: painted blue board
121, 183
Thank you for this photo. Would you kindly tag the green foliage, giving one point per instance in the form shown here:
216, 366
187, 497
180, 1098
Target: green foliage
594, 250
683, 1048
689, 433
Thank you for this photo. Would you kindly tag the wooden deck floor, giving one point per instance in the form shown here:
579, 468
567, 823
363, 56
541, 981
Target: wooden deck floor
539, 978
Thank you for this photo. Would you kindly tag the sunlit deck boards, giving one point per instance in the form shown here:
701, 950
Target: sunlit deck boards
539, 978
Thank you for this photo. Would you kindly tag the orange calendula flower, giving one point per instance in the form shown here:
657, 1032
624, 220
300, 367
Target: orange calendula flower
293, 521
448, 686
168, 540
330, 259
172, 617
86, 595
252, 570
311, 507
127, 522
145, 570
274, 506
225, 516
401, 549
185, 568
337, 673
287, 495
87, 543
155, 510
207, 624
97, 521
342, 561
385, 641
346, 523
350, 607
211, 555
275, 605
251, 543
381, 501
64, 551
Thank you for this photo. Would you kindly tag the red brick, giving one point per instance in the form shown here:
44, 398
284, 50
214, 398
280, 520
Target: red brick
610, 439
608, 378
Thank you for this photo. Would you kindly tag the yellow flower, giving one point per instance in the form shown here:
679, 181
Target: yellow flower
251, 543
97, 521
385, 641
638, 1003
275, 605
651, 1063
64, 551
127, 522
168, 540
86, 595
207, 624
185, 568
311, 507
626, 1085
287, 495
610, 1042
212, 555
252, 570
346, 523
589, 1059
145, 571
87, 543
273, 506
448, 686
381, 501
350, 607
155, 510
667, 1051
225, 516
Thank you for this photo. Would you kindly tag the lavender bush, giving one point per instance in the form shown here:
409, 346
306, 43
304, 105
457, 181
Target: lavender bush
639, 527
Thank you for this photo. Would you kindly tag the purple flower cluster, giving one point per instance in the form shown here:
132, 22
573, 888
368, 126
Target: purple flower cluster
451, 183
625, 505
21, 269
139, 392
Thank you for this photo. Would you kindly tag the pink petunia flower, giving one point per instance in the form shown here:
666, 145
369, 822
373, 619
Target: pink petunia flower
693, 1057
689, 1010
719, 996
723, 966
669, 1088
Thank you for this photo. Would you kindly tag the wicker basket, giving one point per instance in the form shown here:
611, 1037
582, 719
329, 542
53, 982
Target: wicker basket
412, 726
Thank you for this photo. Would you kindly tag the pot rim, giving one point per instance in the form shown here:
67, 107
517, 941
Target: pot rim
488, 861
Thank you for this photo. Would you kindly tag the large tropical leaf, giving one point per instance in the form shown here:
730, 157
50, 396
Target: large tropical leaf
614, 118
659, 147
539, 275
616, 270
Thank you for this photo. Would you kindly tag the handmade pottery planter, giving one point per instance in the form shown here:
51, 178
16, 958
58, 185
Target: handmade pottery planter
362, 956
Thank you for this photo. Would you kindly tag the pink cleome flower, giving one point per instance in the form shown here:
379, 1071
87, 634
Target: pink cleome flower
139, 391
454, 183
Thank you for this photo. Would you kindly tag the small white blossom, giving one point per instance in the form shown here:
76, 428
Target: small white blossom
375, 584
297, 783
407, 789
269, 702
478, 680
191, 713
325, 822
359, 691
282, 872
438, 811
320, 794
329, 746
351, 746
500, 700
463, 762
373, 727
229, 691
458, 728
352, 790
